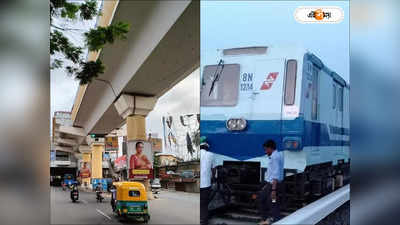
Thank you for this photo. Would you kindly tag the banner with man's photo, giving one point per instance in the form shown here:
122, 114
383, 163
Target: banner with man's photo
140, 160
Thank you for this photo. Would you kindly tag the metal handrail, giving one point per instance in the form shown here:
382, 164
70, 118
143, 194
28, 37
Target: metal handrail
318, 210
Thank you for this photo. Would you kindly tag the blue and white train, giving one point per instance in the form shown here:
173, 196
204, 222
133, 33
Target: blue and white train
287, 94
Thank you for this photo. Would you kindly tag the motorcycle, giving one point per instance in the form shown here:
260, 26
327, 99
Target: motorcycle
74, 194
99, 197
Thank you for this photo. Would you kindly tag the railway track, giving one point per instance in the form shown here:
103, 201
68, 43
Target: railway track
330, 209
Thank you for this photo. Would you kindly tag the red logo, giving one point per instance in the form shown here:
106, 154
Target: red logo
267, 84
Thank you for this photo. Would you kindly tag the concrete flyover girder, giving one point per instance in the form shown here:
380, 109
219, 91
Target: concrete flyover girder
162, 48
78, 155
127, 105
66, 142
94, 141
84, 149
72, 131
63, 149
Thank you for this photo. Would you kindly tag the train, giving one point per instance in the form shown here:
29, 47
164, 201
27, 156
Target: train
283, 93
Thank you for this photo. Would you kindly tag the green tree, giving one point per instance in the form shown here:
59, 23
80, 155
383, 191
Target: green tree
62, 49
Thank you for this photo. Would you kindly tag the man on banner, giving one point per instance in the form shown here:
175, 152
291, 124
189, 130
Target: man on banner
139, 160
84, 173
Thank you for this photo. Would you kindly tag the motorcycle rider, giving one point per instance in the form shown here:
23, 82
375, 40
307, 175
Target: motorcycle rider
99, 191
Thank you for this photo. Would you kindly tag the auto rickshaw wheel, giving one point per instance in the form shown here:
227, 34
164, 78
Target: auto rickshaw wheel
146, 218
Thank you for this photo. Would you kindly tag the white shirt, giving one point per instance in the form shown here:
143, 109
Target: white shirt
275, 167
206, 163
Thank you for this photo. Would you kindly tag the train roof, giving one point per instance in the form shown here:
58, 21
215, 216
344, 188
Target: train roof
259, 50
323, 67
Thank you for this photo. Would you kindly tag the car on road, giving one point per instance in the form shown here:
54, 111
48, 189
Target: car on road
156, 186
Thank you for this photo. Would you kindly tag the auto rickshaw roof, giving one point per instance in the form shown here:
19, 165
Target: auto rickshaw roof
129, 184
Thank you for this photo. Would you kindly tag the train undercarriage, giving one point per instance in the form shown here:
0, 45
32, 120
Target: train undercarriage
237, 183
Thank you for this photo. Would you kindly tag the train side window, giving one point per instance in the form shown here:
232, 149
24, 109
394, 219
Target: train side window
334, 96
290, 83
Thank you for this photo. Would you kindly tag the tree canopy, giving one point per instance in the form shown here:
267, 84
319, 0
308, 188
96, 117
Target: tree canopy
62, 49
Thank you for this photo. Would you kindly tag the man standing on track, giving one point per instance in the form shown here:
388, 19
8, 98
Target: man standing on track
206, 165
270, 193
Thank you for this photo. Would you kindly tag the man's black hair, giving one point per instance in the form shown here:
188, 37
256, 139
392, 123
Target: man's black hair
138, 143
270, 144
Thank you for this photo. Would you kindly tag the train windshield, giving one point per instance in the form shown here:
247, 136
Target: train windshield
220, 85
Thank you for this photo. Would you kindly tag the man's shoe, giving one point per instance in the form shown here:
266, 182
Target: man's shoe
265, 222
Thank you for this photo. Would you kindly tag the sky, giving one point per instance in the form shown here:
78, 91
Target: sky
226, 24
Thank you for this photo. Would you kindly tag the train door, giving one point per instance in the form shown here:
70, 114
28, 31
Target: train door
315, 155
339, 131
268, 95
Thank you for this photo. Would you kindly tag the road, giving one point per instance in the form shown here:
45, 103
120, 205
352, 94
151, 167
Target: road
169, 208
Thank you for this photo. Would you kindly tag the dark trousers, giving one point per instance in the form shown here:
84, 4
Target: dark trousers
266, 207
204, 200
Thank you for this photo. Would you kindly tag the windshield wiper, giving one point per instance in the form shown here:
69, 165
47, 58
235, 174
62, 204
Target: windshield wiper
216, 75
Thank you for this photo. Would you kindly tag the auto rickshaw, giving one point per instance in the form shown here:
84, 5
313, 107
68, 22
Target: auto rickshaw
129, 200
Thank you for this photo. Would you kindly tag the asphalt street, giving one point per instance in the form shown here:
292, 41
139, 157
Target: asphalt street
169, 208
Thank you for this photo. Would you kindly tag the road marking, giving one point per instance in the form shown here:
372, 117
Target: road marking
99, 211
84, 201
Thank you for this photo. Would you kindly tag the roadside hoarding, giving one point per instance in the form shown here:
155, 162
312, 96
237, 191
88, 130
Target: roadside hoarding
111, 143
140, 160
120, 162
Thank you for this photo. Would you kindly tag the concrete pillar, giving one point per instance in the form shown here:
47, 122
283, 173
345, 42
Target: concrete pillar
136, 131
136, 128
134, 110
97, 160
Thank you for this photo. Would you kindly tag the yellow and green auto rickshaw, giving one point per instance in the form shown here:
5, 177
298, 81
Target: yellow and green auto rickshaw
129, 200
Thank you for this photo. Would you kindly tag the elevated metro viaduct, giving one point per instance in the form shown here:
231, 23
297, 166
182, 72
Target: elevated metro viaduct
162, 48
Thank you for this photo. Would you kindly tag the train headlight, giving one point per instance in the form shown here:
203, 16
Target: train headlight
292, 143
236, 124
